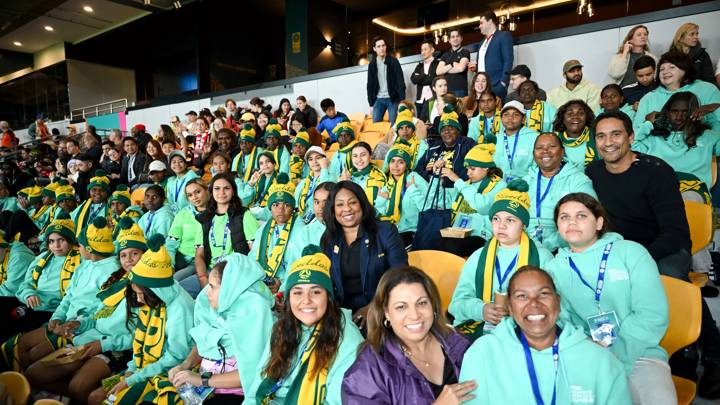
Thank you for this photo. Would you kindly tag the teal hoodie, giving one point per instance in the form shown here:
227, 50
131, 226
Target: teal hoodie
673, 150
481, 203
177, 346
654, 101
421, 149
17, 268
293, 251
243, 321
626, 108
110, 331
344, 358
570, 179
175, 191
81, 296
549, 113
523, 159
587, 373
9, 204
157, 222
466, 304
410, 204
324, 176
632, 289
310, 235
48, 285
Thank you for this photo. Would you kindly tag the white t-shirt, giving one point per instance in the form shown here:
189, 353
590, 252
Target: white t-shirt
481, 53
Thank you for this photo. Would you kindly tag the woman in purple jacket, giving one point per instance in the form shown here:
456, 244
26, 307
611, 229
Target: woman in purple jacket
410, 356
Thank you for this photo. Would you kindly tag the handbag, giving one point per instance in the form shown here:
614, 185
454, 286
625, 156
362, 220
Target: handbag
432, 220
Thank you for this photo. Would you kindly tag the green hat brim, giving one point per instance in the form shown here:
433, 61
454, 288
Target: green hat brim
282, 196
120, 198
450, 123
65, 232
477, 163
316, 277
504, 205
150, 282
131, 244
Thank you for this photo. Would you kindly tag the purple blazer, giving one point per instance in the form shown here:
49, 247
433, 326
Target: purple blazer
390, 378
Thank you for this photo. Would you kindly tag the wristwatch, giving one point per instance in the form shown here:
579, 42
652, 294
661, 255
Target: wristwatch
205, 378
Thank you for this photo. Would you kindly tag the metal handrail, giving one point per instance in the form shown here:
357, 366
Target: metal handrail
108, 107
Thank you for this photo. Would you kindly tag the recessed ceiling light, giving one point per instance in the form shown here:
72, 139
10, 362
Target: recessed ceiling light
17, 43
49, 28
88, 9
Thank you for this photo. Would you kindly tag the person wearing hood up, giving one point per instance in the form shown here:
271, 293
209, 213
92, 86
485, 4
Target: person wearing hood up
313, 342
235, 301
159, 314
611, 289
554, 178
535, 355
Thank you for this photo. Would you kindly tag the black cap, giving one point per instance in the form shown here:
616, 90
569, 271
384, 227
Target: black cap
84, 157
521, 70
191, 112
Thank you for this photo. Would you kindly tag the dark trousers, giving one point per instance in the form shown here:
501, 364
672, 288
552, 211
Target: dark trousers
677, 266
11, 326
461, 247
407, 238
224, 399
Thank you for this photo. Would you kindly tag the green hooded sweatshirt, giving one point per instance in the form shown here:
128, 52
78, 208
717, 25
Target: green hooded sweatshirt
586, 373
410, 204
157, 222
243, 320
480, 203
81, 297
292, 252
522, 161
177, 345
632, 289
110, 331
48, 285
570, 179
175, 191
17, 268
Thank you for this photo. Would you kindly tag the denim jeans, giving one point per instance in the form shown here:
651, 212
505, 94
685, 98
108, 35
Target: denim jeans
384, 104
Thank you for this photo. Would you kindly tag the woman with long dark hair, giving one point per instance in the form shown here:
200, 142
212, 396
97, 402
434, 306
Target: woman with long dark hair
480, 84
573, 123
283, 113
361, 247
313, 341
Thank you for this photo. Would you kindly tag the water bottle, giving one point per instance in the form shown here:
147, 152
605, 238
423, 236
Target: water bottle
189, 395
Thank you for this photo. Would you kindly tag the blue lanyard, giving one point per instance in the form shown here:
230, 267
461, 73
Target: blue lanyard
511, 157
311, 190
503, 277
94, 212
149, 223
178, 189
531, 368
540, 198
601, 273
226, 232
296, 363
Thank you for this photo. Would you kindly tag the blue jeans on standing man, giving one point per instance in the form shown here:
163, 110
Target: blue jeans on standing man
383, 104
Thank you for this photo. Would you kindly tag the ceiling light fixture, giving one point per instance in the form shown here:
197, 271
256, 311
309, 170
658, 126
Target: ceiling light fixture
49, 28
17, 43
88, 9
177, 4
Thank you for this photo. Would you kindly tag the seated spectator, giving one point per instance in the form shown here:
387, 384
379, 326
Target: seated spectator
175, 186
159, 217
157, 173
314, 230
300, 145
554, 178
283, 113
364, 173
168, 146
345, 135
401, 200
518, 75
273, 146
405, 131
612, 99
573, 124
309, 113
450, 101
687, 41
434, 107
137, 132
64, 198
112, 164
480, 84
411, 356
246, 161
83, 173
575, 88
227, 356
133, 162
360, 247
539, 115
96, 205
185, 228
203, 142
632, 48
318, 173
488, 120
329, 120
8, 139
476, 305
675, 74
514, 162
644, 70
632, 296
255, 192
153, 298
119, 201
310, 305
7, 203
535, 326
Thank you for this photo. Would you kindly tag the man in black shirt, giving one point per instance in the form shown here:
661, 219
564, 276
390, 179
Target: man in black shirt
642, 198
454, 65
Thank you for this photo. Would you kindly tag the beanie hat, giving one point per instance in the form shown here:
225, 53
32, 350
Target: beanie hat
273, 129
100, 180
449, 118
64, 191
514, 199
303, 138
98, 238
154, 268
282, 190
32, 193
248, 116
49, 190
129, 235
312, 268
344, 126
133, 211
402, 150
480, 156
247, 133
121, 194
268, 154
63, 226
404, 118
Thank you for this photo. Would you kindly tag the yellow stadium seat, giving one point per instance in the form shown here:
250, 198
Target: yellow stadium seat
699, 217
17, 386
357, 116
367, 122
386, 116
684, 327
382, 127
372, 138
378, 163
443, 268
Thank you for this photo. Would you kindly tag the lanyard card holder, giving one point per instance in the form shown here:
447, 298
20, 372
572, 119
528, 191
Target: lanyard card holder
604, 328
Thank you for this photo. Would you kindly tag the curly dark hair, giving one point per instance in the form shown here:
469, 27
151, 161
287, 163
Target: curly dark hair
559, 123
693, 129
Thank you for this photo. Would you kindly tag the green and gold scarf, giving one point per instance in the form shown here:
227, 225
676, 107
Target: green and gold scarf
156, 390
246, 171
585, 138
460, 205
347, 150
495, 126
37, 214
111, 296
149, 339
376, 180
296, 168
261, 189
72, 260
690, 182
304, 192
270, 261
396, 189
82, 219
4, 266
535, 121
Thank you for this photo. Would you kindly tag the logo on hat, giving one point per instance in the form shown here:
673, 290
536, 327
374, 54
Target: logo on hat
305, 275
513, 204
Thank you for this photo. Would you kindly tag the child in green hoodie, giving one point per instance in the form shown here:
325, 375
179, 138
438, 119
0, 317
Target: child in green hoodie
611, 289
475, 303
534, 355
235, 301
158, 314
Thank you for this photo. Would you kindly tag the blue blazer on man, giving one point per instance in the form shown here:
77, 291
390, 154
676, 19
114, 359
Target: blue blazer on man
499, 61
378, 255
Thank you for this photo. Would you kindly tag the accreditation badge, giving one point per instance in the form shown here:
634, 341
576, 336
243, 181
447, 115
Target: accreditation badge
464, 221
604, 328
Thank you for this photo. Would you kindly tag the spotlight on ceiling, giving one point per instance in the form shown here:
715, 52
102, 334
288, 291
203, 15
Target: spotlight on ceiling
88, 9
17, 43
177, 4
49, 28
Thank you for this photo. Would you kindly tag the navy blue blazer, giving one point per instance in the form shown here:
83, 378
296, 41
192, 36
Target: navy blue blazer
377, 255
499, 61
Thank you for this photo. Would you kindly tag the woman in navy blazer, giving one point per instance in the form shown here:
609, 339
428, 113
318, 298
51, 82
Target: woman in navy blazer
361, 247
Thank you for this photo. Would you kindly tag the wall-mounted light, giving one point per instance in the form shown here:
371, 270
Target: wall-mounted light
17, 43
88, 9
177, 4
49, 28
